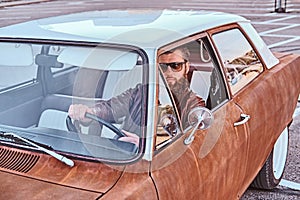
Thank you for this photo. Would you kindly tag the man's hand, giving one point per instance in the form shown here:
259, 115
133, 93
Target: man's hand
77, 112
168, 122
131, 137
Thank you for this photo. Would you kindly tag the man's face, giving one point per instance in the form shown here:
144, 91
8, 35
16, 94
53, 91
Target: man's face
173, 75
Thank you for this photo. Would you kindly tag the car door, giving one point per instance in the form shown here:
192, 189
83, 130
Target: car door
222, 149
174, 168
213, 165
255, 89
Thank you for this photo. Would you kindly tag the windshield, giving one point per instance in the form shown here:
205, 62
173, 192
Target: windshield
43, 88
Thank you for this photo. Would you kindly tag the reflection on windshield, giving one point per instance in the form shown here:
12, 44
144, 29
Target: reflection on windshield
39, 99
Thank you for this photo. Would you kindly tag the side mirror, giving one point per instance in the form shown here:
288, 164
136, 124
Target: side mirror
200, 118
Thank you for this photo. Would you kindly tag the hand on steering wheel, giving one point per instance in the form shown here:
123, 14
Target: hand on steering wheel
72, 127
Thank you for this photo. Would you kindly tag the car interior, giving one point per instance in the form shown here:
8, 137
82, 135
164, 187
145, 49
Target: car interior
41, 103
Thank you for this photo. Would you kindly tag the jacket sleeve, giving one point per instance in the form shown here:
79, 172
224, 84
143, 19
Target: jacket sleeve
116, 107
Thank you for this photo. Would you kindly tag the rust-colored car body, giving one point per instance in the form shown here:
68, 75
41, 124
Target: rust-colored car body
221, 161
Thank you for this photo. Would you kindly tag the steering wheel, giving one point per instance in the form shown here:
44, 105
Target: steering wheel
72, 127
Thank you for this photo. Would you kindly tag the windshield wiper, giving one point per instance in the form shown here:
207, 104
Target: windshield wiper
59, 157
11, 138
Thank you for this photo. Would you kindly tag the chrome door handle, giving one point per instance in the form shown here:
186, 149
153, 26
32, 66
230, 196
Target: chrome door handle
244, 119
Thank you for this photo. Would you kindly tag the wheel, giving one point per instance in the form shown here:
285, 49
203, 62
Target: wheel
72, 127
272, 171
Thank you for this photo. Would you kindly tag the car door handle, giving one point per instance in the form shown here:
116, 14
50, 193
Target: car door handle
244, 119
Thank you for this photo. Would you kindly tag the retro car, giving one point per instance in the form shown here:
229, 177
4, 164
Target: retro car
240, 137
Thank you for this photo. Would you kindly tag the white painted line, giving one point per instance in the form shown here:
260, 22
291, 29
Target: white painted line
11, 18
279, 29
227, 4
272, 13
290, 184
280, 19
283, 42
276, 24
192, 6
281, 36
257, 14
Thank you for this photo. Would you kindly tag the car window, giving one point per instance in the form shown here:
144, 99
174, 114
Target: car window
168, 124
240, 61
201, 85
38, 89
17, 58
205, 76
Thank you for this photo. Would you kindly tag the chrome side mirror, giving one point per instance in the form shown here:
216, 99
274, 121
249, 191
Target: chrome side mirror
200, 118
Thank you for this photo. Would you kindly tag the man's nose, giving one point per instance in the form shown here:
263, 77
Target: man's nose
169, 69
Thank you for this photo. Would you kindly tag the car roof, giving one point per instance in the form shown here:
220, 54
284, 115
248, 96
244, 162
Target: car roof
139, 27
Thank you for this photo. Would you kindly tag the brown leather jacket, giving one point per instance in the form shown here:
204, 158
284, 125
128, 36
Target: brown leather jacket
128, 105
185, 100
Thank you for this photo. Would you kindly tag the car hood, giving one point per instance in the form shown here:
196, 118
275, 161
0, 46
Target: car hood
36, 175
19, 187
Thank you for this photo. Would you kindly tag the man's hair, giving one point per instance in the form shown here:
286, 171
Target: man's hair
184, 51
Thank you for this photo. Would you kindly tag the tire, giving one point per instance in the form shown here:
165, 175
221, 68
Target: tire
272, 171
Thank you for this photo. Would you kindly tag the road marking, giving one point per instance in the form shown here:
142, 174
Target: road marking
225, 9
283, 42
279, 19
290, 184
10, 18
279, 29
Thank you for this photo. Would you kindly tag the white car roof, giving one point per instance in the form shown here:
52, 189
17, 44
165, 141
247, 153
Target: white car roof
148, 28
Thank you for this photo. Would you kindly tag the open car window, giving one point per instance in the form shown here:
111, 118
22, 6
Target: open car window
38, 88
201, 85
168, 125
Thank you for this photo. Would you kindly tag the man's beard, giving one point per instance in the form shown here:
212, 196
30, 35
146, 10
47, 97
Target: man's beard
179, 87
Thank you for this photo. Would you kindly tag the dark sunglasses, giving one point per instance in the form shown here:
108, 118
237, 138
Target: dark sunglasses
175, 66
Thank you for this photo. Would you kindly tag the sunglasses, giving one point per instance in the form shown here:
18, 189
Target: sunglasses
175, 66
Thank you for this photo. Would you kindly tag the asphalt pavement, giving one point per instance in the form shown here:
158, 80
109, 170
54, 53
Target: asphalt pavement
278, 25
